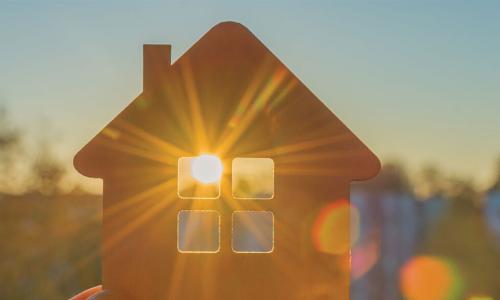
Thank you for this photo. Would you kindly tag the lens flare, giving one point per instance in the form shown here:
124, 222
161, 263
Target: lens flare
430, 278
206, 168
336, 228
363, 257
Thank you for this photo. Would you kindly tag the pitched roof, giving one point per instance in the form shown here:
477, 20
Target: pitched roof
230, 95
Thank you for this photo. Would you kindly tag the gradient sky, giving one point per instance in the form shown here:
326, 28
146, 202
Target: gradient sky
415, 80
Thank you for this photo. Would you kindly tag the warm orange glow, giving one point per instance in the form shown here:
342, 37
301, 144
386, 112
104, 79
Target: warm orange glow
196, 116
251, 104
131, 139
151, 208
336, 228
430, 278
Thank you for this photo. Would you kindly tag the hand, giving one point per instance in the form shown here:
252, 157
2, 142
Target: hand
88, 293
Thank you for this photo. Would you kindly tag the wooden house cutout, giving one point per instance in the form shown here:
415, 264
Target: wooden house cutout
284, 156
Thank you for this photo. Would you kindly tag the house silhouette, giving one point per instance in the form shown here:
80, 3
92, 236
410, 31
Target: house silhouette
230, 96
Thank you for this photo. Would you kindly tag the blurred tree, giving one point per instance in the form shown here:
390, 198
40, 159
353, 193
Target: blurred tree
463, 193
10, 149
392, 178
47, 172
461, 236
430, 183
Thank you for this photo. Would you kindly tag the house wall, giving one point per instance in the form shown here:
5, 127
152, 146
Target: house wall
141, 261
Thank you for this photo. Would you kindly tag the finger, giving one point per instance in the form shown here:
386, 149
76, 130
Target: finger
86, 294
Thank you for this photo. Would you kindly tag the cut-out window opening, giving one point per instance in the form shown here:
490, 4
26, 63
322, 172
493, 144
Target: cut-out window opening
253, 232
253, 178
199, 177
198, 231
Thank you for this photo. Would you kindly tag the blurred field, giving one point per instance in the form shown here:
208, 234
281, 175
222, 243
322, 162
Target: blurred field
49, 245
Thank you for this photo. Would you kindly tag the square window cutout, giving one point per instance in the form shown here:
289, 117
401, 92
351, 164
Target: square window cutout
253, 178
198, 231
199, 177
253, 231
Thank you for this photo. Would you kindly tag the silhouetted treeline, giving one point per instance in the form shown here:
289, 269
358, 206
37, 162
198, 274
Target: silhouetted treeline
26, 169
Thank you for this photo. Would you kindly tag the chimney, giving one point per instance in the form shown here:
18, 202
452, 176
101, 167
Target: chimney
156, 62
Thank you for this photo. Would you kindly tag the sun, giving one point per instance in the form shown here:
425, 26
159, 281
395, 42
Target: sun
206, 168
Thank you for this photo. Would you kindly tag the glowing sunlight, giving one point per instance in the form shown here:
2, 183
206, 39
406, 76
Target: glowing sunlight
206, 168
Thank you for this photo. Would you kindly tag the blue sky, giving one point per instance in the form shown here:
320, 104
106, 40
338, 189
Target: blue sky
416, 80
